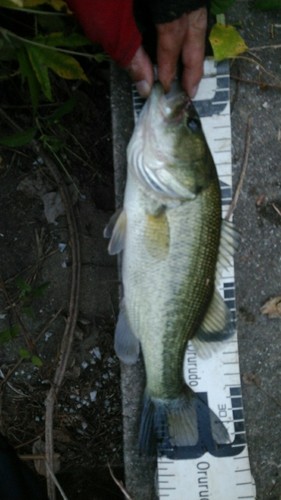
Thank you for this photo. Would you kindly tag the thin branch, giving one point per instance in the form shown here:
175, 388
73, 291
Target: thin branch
32, 457
243, 170
119, 484
264, 47
256, 82
255, 60
68, 335
276, 209
48, 468
8, 33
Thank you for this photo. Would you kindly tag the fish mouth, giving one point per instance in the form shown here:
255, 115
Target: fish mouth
172, 105
176, 95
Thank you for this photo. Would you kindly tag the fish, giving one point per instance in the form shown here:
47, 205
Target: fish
174, 245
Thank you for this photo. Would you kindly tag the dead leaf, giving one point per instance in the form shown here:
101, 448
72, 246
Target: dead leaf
53, 206
38, 449
34, 185
38, 186
61, 436
272, 307
261, 200
251, 379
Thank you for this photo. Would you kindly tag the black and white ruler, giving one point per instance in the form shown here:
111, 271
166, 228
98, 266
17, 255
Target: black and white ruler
223, 473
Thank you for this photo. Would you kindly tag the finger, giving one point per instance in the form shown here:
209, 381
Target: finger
169, 44
140, 70
193, 50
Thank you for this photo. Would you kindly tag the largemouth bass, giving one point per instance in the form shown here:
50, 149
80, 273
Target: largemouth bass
174, 243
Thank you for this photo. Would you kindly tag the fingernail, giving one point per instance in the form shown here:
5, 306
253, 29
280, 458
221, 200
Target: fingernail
143, 88
193, 91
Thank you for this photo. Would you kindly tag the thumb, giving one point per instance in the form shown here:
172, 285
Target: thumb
140, 70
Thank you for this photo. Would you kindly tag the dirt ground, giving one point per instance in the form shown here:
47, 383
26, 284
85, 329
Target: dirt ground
35, 283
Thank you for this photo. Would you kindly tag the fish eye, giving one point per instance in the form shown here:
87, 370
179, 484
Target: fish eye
193, 124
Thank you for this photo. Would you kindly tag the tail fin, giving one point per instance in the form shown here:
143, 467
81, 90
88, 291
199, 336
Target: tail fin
171, 424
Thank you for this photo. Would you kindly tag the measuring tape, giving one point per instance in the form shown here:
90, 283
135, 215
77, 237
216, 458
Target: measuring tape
223, 473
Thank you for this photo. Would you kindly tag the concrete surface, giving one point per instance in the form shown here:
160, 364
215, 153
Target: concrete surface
258, 260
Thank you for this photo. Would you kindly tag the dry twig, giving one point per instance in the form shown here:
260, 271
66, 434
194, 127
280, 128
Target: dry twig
55, 481
119, 484
243, 171
260, 84
276, 209
265, 47
67, 339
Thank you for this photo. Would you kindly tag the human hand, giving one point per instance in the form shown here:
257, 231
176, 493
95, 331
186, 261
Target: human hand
182, 38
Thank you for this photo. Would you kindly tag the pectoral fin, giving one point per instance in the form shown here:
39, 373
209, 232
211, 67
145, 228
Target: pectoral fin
108, 230
126, 345
116, 230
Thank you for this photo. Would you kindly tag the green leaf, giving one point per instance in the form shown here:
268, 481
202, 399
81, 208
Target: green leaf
28, 73
24, 287
220, 6
8, 50
63, 65
36, 361
9, 334
18, 139
40, 290
62, 40
52, 142
28, 311
24, 353
101, 57
11, 3
49, 24
56, 4
66, 108
267, 4
226, 42
36, 57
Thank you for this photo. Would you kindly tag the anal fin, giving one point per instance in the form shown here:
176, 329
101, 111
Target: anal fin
216, 327
228, 245
126, 345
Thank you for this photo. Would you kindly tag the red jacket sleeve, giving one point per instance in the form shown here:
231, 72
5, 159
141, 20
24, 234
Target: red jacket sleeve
110, 23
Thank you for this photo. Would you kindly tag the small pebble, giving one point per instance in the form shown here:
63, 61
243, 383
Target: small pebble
93, 396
